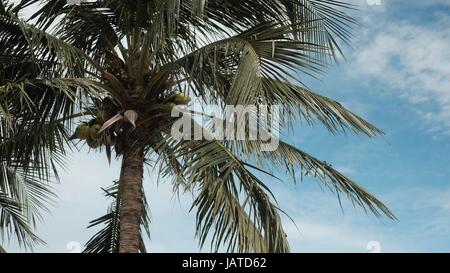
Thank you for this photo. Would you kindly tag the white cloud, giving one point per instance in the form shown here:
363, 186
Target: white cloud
415, 61
423, 224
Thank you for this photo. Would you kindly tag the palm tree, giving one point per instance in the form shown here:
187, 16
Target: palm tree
111, 71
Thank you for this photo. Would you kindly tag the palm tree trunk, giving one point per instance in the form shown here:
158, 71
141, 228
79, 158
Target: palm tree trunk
132, 207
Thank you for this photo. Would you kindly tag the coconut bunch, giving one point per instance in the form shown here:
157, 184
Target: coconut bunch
109, 120
172, 100
91, 131
180, 98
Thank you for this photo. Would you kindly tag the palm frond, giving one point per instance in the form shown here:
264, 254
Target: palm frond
14, 222
299, 101
233, 206
19, 38
297, 162
106, 240
230, 66
28, 161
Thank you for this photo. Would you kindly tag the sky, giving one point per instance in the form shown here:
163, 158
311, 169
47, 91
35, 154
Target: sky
397, 76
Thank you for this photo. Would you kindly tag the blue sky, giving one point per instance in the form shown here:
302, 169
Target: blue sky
397, 75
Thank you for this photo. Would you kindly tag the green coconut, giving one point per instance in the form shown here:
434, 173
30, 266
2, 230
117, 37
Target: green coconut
92, 143
82, 132
168, 106
181, 98
93, 131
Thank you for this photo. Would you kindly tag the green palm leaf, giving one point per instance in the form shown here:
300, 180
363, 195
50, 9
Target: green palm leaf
106, 240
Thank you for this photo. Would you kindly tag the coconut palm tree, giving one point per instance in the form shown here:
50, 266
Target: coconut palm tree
108, 73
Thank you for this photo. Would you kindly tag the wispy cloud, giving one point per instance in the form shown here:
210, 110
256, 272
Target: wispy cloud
414, 61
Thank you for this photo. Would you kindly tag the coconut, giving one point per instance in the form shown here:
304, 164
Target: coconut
93, 131
93, 143
181, 98
82, 131
168, 106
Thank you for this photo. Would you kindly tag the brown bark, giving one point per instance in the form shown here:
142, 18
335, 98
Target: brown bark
132, 207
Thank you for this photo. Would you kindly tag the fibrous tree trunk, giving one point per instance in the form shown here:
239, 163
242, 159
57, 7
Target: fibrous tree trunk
132, 196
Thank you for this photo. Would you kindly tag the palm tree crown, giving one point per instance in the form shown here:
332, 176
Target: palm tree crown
110, 72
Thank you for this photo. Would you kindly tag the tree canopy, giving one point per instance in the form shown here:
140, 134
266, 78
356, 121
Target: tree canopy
113, 64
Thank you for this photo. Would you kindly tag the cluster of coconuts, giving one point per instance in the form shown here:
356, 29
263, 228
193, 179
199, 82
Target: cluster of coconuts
90, 134
175, 99
89, 131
